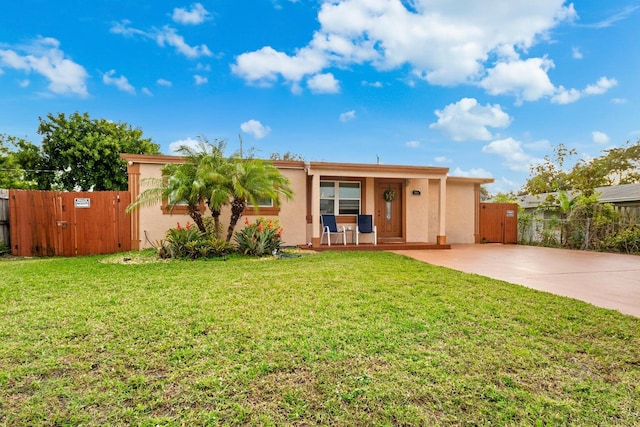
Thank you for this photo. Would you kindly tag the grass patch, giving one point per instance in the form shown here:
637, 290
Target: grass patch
340, 338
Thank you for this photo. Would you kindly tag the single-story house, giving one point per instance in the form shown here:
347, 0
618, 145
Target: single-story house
430, 206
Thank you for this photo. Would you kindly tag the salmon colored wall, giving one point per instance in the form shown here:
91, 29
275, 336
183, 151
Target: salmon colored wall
417, 208
291, 216
421, 211
461, 211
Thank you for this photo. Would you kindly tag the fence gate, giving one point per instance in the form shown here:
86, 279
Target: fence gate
51, 223
499, 222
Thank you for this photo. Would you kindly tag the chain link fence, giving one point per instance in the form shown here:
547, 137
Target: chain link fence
616, 233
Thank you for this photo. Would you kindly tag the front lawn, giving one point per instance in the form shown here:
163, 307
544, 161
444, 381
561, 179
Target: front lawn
339, 338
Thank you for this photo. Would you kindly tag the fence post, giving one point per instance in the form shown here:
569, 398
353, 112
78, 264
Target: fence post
586, 235
5, 235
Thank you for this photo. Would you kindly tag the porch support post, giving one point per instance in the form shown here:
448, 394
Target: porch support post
442, 208
315, 209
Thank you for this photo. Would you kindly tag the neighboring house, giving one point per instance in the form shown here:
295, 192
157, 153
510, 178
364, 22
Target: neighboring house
430, 206
625, 195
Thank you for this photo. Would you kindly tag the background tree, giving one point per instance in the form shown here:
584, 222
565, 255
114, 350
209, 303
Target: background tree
616, 166
287, 155
12, 174
80, 153
550, 176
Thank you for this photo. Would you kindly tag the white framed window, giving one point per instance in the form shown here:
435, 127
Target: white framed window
263, 202
340, 197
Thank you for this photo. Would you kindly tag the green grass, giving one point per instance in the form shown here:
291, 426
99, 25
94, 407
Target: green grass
339, 339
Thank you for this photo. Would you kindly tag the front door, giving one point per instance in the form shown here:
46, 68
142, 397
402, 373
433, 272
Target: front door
389, 211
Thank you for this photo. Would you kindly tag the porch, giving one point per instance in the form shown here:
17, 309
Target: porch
399, 246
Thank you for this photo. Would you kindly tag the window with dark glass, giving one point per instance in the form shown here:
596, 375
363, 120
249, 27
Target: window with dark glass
340, 197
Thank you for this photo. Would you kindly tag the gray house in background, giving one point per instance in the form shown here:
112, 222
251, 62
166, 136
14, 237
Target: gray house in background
625, 195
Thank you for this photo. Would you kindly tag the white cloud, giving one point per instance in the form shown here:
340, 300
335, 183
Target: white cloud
146, 91
576, 53
503, 185
166, 36
472, 173
189, 142
412, 144
323, 83
43, 56
120, 82
164, 82
169, 36
511, 152
567, 96
466, 120
527, 80
200, 80
24, 83
347, 116
196, 15
619, 101
600, 137
601, 86
255, 128
262, 67
442, 159
372, 84
438, 41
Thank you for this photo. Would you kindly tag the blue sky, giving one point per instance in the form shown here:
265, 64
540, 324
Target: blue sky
484, 88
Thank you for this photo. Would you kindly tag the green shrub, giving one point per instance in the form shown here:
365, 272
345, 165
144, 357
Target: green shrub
263, 237
626, 241
189, 242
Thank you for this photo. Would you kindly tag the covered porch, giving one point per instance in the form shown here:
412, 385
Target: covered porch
414, 217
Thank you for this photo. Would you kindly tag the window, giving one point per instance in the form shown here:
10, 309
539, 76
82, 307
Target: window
265, 206
263, 202
340, 197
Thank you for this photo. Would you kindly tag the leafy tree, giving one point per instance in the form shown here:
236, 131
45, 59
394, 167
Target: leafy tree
505, 198
78, 152
622, 164
287, 155
550, 176
12, 174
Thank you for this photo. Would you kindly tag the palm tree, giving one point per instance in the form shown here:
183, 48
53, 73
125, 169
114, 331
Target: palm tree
250, 180
210, 166
179, 186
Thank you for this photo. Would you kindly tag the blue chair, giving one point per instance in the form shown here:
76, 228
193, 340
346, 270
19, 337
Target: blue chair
329, 227
365, 226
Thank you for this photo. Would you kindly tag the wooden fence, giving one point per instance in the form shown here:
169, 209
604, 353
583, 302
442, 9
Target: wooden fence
499, 222
4, 220
50, 223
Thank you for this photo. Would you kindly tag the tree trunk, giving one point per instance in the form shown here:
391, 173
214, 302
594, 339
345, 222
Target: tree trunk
215, 214
237, 207
197, 218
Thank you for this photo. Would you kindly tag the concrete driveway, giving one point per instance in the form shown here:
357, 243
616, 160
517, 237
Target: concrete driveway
602, 279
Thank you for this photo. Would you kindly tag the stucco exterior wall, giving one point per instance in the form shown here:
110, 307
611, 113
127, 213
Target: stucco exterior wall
418, 211
421, 211
461, 211
154, 222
